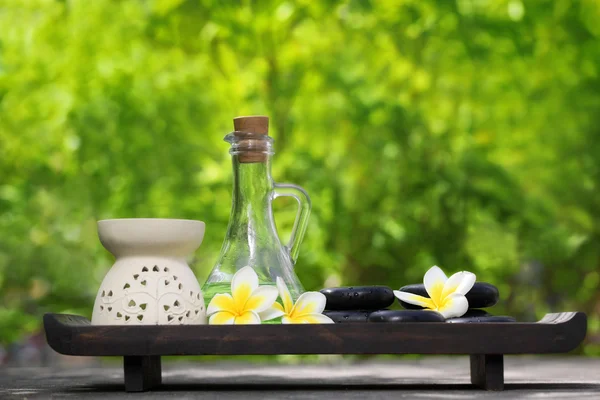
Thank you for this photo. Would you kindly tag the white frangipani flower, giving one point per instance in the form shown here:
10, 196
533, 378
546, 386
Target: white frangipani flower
246, 301
446, 295
307, 310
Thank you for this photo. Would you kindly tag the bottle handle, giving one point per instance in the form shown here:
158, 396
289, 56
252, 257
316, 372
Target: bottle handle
301, 222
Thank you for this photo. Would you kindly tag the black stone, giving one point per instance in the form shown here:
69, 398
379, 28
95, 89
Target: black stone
342, 317
489, 318
476, 313
482, 295
406, 316
358, 298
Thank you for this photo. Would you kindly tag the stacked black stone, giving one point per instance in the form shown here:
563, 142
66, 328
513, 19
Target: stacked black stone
482, 295
368, 304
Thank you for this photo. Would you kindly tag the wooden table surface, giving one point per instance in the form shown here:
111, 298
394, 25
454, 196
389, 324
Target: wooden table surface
527, 377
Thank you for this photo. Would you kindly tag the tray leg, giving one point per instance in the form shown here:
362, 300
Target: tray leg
487, 371
141, 373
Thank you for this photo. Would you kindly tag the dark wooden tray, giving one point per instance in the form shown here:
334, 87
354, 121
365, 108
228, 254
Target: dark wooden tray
486, 343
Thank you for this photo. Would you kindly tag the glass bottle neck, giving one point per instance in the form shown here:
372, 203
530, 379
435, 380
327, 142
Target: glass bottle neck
252, 184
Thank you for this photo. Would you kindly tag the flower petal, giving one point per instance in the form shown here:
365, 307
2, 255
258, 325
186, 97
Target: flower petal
467, 283
434, 281
309, 303
241, 297
313, 319
455, 305
247, 318
243, 283
245, 276
220, 302
415, 299
285, 295
460, 282
261, 299
275, 311
222, 318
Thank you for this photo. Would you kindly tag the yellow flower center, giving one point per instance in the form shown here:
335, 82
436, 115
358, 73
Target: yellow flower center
240, 298
436, 295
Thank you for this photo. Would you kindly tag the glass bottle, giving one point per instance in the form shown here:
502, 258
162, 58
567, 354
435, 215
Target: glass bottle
251, 238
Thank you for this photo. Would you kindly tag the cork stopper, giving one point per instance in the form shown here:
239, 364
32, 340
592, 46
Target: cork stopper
253, 124
252, 146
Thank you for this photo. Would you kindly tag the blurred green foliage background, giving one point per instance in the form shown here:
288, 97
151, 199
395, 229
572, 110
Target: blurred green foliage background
462, 133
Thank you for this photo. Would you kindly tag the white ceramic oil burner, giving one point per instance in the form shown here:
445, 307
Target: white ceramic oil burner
150, 282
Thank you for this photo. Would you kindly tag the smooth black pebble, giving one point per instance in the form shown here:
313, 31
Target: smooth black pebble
474, 320
342, 317
406, 316
481, 295
358, 298
476, 313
